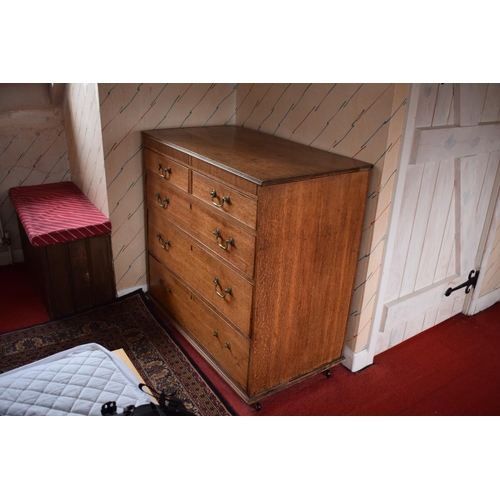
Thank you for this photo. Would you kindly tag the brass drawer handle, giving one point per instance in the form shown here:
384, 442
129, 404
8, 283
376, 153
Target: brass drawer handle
228, 290
224, 199
164, 171
163, 203
227, 345
161, 281
164, 244
230, 241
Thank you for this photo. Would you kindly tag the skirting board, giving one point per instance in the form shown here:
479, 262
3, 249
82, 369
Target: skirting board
487, 301
356, 361
126, 291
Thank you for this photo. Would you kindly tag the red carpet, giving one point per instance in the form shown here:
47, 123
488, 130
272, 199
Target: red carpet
20, 304
451, 369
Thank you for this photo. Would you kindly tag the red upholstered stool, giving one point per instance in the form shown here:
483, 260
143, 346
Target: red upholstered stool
67, 245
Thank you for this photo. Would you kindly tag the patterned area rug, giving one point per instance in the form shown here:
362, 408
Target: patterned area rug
130, 324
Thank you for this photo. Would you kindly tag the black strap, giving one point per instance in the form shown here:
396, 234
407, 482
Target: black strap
160, 397
167, 405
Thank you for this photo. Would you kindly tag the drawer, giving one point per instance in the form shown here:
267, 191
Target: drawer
166, 198
166, 169
225, 199
169, 244
231, 243
227, 347
226, 290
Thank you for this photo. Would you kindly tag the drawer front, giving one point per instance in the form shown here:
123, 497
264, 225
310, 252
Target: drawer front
169, 200
229, 242
168, 243
166, 169
228, 348
218, 284
239, 182
225, 199
174, 153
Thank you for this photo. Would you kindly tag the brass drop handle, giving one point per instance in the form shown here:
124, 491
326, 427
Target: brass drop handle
162, 242
164, 171
227, 345
228, 290
230, 241
224, 199
163, 203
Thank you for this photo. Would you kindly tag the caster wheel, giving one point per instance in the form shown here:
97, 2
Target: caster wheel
328, 373
257, 406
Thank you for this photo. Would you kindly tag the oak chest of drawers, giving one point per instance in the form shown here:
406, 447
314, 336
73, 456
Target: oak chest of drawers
253, 246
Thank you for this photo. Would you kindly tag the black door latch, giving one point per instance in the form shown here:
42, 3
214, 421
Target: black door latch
471, 282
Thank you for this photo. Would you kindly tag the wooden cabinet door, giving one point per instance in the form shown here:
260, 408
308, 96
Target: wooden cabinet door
446, 191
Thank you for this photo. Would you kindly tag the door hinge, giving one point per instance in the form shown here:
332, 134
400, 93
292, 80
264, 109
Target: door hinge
471, 282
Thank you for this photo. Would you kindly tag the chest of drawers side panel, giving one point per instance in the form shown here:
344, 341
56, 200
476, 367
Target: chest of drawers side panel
308, 240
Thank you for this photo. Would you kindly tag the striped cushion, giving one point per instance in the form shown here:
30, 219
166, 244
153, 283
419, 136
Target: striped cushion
57, 213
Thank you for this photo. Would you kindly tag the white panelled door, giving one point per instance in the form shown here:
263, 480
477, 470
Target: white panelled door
444, 203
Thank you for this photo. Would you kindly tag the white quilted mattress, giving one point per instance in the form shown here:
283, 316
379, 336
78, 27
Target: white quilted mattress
73, 382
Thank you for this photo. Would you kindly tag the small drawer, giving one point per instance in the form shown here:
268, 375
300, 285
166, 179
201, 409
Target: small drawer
227, 347
225, 199
169, 200
166, 169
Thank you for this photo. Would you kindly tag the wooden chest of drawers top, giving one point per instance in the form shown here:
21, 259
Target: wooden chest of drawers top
259, 158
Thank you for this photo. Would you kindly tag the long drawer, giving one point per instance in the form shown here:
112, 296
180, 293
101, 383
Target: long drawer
216, 282
226, 346
228, 241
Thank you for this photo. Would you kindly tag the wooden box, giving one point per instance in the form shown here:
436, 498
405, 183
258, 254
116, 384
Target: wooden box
66, 242
73, 276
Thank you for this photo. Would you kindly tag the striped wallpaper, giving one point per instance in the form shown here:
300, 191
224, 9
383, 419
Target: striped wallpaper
32, 151
126, 110
83, 132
